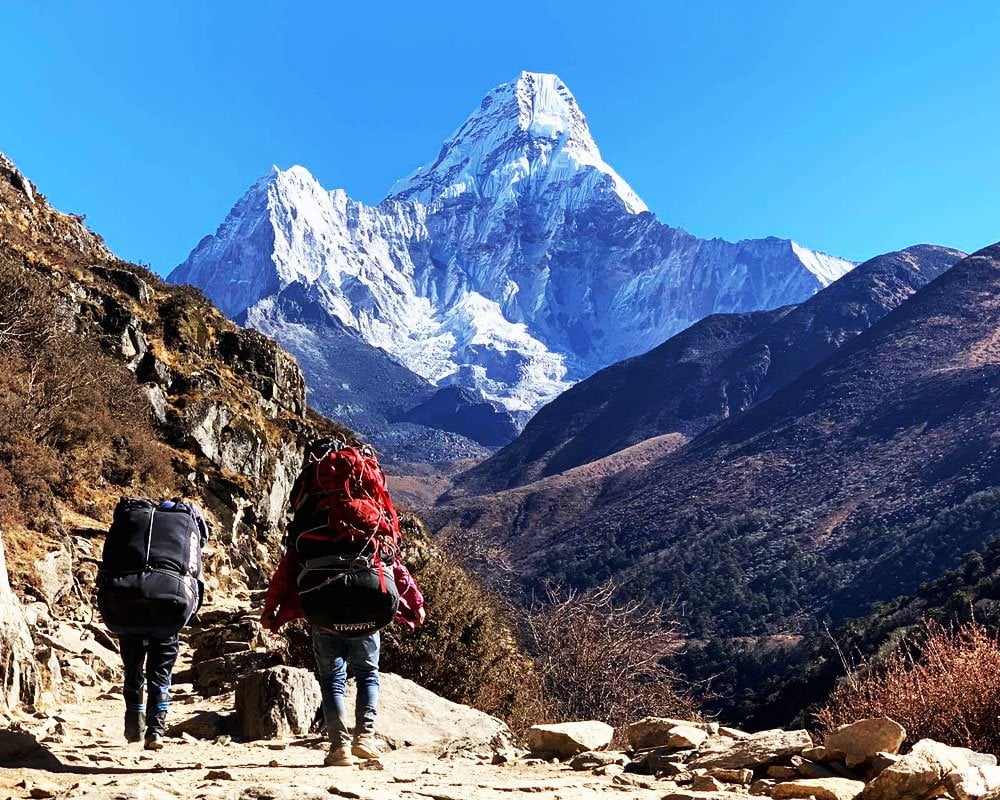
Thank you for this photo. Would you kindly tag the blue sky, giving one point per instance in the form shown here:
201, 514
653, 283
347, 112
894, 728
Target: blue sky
852, 127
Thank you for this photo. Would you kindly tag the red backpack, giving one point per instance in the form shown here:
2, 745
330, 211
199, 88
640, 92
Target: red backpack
340, 498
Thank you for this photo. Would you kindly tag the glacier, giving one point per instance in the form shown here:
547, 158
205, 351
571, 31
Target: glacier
515, 263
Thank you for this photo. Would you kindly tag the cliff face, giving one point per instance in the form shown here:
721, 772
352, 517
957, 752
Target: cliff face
120, 384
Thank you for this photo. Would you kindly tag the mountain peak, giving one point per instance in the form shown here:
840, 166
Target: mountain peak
527, 135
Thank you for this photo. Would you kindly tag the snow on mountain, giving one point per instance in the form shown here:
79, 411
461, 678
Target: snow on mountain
529, 132
514, 264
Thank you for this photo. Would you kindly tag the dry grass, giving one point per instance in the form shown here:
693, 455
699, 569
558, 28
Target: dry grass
946, 688
603, 660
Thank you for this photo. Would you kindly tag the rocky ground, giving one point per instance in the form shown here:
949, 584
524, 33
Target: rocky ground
78, 752
245, 724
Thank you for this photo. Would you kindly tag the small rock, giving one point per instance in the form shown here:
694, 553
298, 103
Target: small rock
820, 788
782, 772
566, 739
810, 769
272, 763
686, 736
276, 702
739, 776
706, 783
592, 759
818, 753
733, 733
762, 787
654, 731
372, 764
610, 769
633, 780
219, 775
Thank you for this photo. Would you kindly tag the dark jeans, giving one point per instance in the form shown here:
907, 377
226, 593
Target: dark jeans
149, 663
333, 654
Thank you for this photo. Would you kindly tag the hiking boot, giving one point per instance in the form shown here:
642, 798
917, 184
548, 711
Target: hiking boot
365, 747
338, 757
135, 721
156, 726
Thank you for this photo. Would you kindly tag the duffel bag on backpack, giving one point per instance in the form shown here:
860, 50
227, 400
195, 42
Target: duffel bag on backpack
150, 574
349, 596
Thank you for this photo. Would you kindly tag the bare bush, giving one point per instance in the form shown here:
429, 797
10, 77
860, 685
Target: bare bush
947, 687
603, 660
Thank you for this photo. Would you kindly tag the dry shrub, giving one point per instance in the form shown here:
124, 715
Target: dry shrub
947, 687
73, 423
467, 650
603, 660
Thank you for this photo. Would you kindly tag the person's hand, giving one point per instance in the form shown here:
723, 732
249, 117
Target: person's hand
268, 618
421, 616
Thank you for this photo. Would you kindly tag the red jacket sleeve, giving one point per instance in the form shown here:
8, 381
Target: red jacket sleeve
411, 600
282, 592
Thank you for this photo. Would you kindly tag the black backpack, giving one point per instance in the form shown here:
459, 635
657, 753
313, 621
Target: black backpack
149, 581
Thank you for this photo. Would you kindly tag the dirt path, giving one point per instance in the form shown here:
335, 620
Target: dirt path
85, 756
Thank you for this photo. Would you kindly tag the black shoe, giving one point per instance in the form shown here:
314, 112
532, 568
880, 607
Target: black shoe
135, 721
154, 741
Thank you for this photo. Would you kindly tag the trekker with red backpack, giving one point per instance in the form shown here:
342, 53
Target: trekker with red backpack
341, 571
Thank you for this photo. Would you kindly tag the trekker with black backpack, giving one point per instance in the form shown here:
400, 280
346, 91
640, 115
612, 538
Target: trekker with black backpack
148, 586
341, 571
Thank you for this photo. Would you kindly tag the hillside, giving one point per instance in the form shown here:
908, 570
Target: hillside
863, 477
717, 368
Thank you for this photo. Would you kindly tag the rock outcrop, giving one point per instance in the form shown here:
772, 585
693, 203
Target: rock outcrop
18, 669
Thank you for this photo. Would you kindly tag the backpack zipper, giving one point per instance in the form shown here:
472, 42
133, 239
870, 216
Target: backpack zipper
149, 538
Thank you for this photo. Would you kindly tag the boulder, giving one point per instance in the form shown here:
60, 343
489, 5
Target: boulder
860, 741
412, 716
655, 732
277, 702
973, 783
820, 788
566, 739
761, 749
921, 770
18, 668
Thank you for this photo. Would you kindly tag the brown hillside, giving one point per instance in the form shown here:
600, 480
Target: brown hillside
866, 475
716, 369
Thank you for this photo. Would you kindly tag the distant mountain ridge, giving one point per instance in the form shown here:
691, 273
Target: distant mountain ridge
869, 473
515, 264
717, 368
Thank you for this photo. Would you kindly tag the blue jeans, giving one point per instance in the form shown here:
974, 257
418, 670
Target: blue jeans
333, 654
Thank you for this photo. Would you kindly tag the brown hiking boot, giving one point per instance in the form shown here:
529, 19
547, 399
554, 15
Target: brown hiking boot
339, 756
365, 747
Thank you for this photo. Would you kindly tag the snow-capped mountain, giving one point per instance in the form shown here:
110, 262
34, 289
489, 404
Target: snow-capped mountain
516, 263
